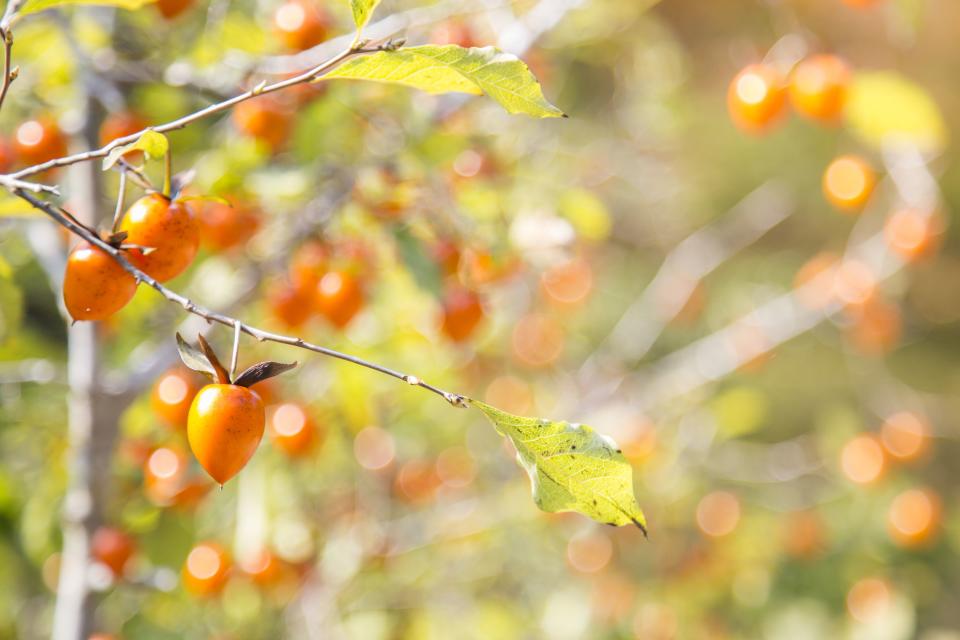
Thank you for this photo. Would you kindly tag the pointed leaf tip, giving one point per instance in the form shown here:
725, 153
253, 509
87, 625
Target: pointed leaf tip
571, 468
261, 371
195, 359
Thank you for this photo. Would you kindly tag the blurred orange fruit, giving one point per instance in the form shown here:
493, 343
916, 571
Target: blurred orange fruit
818, 87
756, 98
848, 183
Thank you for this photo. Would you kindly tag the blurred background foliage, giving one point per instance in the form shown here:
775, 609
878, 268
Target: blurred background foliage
796, 469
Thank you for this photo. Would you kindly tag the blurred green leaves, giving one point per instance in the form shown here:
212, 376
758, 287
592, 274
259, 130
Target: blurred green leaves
33, 6
11, 302
453, 69
884, 106
571, 467
362, 10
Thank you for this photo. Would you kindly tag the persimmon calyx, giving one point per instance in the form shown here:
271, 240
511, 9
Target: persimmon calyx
204, 360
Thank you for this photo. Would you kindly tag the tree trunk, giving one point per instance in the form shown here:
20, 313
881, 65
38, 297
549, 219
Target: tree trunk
93, 416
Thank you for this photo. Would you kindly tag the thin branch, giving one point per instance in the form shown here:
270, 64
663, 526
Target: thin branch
9, 74
236, 349
64, 220
182, 122
13, 183
121, 192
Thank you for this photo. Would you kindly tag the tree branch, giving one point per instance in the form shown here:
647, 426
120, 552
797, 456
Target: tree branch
59, 216
182, 122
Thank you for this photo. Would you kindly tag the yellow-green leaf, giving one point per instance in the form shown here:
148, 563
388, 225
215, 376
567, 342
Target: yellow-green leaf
453, 69
571, 467
151, 143
33, 6
884, 106
362, 10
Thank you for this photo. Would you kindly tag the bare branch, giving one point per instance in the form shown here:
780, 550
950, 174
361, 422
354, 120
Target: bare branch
182, 122
64, 220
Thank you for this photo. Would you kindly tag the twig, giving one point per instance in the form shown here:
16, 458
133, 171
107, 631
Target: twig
182, 122
236, 349
9, 75
13, 183
59, 216
121, 192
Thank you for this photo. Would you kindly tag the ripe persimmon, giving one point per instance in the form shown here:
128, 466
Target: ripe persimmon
818, 87
339, 296
290, 305
168, 228
206, 569
224, 428
264, 118
113, 548
453, 32
462, 313
95, 286
119, 125
7, 155
913, 234
163, 474
756, 98
224, 227
291, 429
264, 568
300, 24
848, 183
40, 140
170, 9
171, 396
308, 264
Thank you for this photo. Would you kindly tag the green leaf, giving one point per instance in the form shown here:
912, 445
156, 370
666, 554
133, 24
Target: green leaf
571, 468
362, 10
195, 359
449, 68
151, 143
33, 6
884, 106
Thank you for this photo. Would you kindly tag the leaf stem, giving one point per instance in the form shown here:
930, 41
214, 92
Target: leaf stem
237, 326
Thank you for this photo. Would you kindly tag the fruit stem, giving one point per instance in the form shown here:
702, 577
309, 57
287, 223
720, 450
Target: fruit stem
121, 192
237, 327
167, 171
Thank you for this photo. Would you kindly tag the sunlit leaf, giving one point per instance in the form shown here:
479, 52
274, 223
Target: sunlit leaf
33, 6
195, 359
453, 69
151, 143
362, 10
571, 467
884, 106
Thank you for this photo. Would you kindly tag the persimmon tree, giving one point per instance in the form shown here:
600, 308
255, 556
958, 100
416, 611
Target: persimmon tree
157, 238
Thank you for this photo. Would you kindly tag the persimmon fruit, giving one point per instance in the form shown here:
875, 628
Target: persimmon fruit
39, 140
818, 87
167, 227
848, 183
206, 569
113, 548
339, 297
224, 227
300, 24
95, 286
462, 313
224, 428
171, 396
292, 430
756, 98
